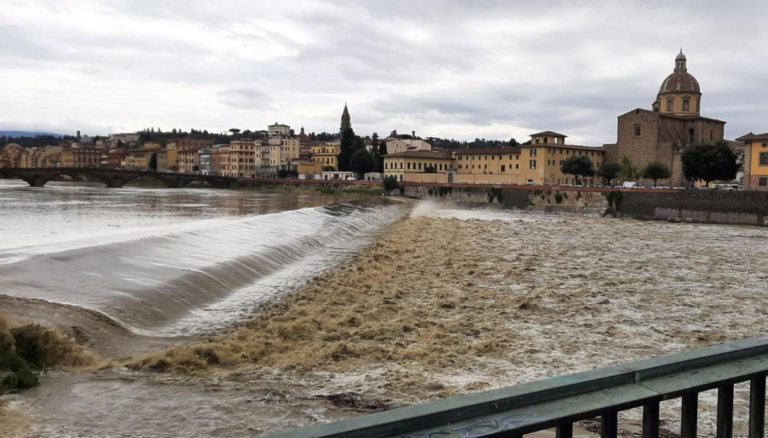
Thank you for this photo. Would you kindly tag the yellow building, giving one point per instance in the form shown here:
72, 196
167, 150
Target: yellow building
327, 154
141, 159
168, 159
10, 155
81, 157
488, 165
48, 156
755, 161
189, 160
419, 166
537, 163
242, 159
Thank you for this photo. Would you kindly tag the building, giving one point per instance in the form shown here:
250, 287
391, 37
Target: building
326, 153
48, 156
346, 121
219, 159
10, 155
114, 158
190, 143
189, 160
278, 130
204, 160
168, 158
674, 122
537, 163
303, 138
419, 166
143, 159
124, 140
488, 165
81, 156
242, 159
755, 161
396, 145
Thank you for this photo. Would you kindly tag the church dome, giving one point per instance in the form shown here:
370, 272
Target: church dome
680, 80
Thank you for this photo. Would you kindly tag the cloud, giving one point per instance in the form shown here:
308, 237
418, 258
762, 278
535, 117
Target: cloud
486, 68
246, 98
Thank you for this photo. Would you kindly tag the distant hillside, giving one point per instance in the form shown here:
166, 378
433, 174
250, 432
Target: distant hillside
26, 134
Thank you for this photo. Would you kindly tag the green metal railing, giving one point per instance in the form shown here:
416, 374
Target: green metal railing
560, 401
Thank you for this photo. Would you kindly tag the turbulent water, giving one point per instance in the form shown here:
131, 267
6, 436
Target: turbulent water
171, 262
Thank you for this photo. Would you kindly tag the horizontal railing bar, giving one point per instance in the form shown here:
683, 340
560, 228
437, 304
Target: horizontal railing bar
702, 357
558, 400
706, 378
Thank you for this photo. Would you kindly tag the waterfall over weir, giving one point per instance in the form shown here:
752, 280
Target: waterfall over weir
195, 276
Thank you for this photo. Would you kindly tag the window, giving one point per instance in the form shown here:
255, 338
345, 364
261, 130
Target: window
517, 166
532, 164
764, 158
698, 105
670, 105
503, 168
533, 152
686, 104
763, 181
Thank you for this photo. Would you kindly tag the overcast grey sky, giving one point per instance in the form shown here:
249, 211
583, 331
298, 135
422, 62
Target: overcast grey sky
449, 68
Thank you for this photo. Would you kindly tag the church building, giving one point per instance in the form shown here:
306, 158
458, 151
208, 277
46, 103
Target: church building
674, 122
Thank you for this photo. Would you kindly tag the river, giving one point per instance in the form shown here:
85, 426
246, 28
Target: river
170, 262
164, 266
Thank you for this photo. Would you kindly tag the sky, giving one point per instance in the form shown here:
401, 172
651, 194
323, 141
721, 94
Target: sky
444, 68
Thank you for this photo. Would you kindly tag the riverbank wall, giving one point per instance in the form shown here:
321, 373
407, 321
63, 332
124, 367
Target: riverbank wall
700, 206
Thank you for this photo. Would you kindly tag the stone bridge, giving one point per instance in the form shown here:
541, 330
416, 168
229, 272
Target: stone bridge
37, 177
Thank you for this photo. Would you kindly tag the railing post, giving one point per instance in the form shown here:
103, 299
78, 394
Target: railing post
757, 407
689, 415
651, 420
725, 411
609, 425
564, 431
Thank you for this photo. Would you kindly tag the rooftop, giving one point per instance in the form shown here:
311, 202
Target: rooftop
549, 133
419, 154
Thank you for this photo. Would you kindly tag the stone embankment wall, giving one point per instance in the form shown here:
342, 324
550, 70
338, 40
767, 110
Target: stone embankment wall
703, 206
449, 194
707, 206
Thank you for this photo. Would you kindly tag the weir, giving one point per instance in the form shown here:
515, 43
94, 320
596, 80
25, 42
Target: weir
559, 402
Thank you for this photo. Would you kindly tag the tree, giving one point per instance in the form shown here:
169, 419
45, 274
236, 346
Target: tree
329, 169
709, 162
656, 171
390, 183
234, 131
362, 162
629, 172
578, 166
153, 162
608, 171
430, 169
347, 149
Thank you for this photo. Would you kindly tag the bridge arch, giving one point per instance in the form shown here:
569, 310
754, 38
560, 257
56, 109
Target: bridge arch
214, 182
171, 183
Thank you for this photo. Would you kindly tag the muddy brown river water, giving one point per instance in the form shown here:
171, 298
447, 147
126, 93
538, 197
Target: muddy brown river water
454, 301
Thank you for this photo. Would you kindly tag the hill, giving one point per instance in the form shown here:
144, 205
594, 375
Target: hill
26, 134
